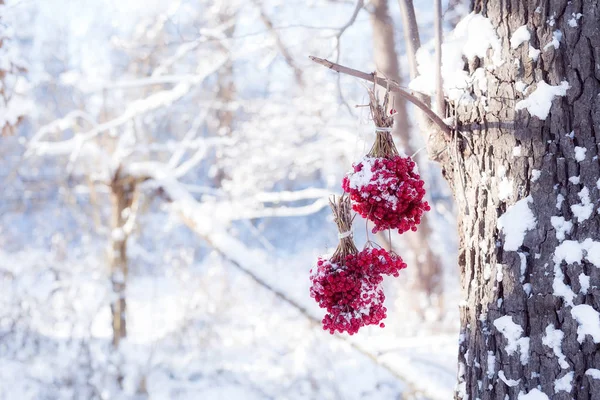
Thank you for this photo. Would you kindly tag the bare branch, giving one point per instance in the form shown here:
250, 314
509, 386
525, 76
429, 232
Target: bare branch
280, 45
394, 87
338, 36
359, 5
411, 34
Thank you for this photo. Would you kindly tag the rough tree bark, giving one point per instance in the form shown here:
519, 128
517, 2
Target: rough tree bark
519, 331
427, 266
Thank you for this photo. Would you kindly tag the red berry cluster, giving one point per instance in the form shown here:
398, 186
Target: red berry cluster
388, 192
350, 289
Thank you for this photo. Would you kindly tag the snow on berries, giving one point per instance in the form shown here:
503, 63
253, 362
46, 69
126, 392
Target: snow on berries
387, 191
350, 289
348, 284
385, 188
352, 299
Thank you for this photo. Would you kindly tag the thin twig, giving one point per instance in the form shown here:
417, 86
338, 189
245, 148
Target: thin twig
280, 45
338, 36
394, 87
411, 34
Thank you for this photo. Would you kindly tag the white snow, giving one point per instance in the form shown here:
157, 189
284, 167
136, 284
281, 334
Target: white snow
534, 394
561, 226
584, 281
589, 322
573, 20
560, 288
509, 382
487, 271
521, 35
559, 200
511, 331
593, 372
555, 42
564, 383
516, 151
363, 177
513, 334
574, 180
499, 273
584, 210
535, 174
580, 153
515, 222
553, 339
520, 86
539, 102
572, 251
472, 37
505, 189
491, 364
533, 53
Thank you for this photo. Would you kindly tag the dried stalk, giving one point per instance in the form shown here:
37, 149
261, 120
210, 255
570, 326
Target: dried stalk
384, 143
342, 216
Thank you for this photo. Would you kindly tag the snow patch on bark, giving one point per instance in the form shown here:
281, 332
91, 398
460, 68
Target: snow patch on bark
515, 222
584, 210
513, 333
533, 53
534, 394
584, 282
555, 42
520, 36
589, 322
593, 372
539, 102
564, 383
509, 382
561, 226
553, 339
580, 153
572, 251
471, 38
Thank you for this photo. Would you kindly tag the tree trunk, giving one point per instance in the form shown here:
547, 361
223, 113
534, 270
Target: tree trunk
427, 266
122, 195
529, 320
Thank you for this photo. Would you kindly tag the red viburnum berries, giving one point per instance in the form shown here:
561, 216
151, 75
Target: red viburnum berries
350, 289
387, 191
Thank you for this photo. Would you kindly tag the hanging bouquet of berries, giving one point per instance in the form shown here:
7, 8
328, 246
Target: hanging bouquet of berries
384, 186
348, 284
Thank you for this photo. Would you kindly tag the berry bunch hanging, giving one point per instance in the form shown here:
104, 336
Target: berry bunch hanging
348, 285
385, 187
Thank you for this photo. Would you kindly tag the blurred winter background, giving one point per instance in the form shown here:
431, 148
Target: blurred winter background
165, 171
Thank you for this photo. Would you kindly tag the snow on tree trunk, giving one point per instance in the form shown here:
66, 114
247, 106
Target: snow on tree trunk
525, 173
